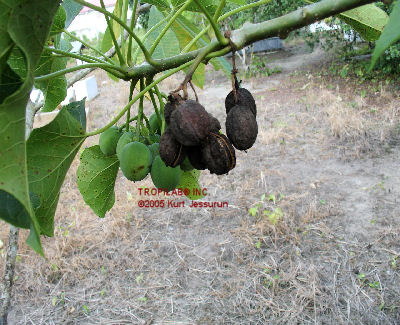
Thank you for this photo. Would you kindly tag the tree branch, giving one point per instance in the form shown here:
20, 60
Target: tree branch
251, 33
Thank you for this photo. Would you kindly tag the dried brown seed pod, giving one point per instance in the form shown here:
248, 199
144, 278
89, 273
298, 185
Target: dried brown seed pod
215, 126
241, 127
195, 156
173, 102
190, 123
219, 154
245, 98
171, 151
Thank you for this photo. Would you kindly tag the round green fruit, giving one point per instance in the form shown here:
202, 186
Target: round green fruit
126, 138
108, 140
155, 150
155, 125
135, 161
166, 178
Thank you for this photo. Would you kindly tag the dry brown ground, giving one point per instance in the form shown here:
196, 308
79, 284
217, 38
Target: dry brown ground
331, 160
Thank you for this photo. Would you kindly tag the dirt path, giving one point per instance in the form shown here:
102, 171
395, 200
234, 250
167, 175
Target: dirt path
322, 247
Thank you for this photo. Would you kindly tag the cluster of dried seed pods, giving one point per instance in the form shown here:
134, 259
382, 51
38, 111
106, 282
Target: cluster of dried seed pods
193, 132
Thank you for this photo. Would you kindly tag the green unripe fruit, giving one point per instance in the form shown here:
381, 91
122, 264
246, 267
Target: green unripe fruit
186, 165
126, 138
164, 177
155, 150
155, 125
135, 161
108, 140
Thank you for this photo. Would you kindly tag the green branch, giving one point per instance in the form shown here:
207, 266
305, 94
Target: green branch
166, 28
251, 33
219, 19
221, 39
105, 66
139, 95
110, 28
148, 57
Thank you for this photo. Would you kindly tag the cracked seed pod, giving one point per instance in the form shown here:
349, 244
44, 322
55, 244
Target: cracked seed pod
241, 127
190, 123
215, 126
170, 106
171, 151
195, 156
219, 154
245, 98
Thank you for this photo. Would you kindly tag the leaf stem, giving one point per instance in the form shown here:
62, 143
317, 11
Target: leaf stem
128, 112
119, 72
87, 45
140, 114
132, 27
241, 8
124, 19
110, 28
221, 39
139, 95
148, 57
82, 57
166, 28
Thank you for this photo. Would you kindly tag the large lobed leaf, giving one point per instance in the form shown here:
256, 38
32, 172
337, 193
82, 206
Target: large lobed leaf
28, 28
169, 45
96, 176
72, 9
51, 150
367, 20
390, 35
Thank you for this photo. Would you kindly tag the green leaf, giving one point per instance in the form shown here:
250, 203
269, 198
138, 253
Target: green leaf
72, 9
54, 89
367, 20
199, 75
238, 2
390, 34
169, 45
14, 212
9, 83
28, 27
96, 177
222, 63
6, 42
58, 22
209, 5
51, 150
189, 180
158, 3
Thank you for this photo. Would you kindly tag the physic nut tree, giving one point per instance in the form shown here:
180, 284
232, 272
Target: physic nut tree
174, 143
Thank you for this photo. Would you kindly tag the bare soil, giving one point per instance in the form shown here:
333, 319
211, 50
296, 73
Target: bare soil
321, 247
